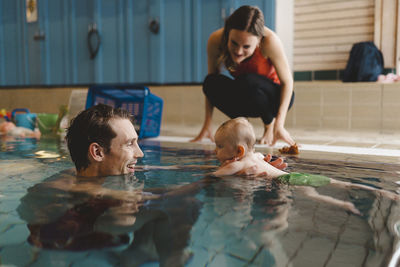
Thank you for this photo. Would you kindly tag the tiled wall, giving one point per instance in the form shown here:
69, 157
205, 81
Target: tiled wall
37, 100
390, 112
346, 106
318, 105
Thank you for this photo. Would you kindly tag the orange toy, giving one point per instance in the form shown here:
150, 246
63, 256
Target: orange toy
293, 150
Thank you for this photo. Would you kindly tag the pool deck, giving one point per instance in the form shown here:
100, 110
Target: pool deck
334, 144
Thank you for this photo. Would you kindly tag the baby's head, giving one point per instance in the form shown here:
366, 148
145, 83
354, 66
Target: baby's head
234, 138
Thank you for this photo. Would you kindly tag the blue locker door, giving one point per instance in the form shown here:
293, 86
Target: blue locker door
110, 62
37, 42
80, 17
34, 32
13, 61
208, 16
176, 41
140, 42
156, 39
57, 44
161, 41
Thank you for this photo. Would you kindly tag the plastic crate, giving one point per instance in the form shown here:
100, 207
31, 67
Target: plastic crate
138, 100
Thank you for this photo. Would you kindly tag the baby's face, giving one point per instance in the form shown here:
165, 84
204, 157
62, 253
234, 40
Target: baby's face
223, 149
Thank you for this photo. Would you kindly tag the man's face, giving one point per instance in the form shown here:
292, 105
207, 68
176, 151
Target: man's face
124, 149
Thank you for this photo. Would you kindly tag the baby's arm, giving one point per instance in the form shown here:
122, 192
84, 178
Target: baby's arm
229, 169
382, 192
173, 167
313, 194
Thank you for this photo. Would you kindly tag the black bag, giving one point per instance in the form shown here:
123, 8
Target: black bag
365, 63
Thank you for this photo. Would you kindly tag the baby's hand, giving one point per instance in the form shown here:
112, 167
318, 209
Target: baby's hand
279, 163
388, 194
350, 207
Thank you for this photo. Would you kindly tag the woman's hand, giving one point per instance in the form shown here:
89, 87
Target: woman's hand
280, 133
205, 132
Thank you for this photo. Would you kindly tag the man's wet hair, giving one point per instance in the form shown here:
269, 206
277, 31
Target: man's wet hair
92, 126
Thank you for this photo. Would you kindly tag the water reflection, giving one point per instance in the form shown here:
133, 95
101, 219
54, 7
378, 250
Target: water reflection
66, 212
182, 217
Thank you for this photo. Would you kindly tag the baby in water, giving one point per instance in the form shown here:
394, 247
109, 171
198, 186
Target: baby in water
234, 141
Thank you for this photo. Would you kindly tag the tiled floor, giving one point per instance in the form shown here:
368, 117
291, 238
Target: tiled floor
365, 145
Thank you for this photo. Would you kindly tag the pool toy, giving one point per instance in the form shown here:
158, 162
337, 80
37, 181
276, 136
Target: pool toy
49, 123
304, 179
5, 114
293, 150
23, 118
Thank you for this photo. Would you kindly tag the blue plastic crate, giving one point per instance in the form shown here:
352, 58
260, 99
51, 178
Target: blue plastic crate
138, 100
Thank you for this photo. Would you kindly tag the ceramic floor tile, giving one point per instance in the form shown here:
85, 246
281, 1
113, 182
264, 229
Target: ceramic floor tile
388, 146
352, 144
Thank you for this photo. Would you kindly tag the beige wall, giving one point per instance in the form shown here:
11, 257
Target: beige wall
387, 30
38, 100
318, 105
44, 100
324, 31
284, 26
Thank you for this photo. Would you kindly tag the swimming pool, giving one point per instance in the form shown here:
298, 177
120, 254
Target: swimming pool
181, 216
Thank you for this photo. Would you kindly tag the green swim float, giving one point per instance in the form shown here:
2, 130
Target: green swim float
296, 178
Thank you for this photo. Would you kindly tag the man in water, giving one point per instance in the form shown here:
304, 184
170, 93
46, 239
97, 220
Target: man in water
75, 211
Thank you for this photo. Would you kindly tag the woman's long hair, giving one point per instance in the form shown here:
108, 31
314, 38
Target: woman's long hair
245, 18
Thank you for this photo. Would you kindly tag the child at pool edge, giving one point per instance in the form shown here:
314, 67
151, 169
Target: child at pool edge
235, 141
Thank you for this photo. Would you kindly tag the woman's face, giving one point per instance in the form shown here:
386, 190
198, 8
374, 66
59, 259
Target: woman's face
241, 45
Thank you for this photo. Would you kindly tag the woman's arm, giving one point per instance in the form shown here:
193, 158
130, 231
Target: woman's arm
272, 48
212, 60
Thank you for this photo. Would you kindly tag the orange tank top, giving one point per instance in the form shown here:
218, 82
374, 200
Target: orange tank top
258, 64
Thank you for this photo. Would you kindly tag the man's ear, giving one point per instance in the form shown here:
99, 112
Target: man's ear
240, 151
96, 152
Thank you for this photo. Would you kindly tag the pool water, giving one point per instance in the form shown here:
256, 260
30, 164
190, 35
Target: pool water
180, 216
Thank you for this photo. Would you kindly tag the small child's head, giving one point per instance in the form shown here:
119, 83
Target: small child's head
234, 138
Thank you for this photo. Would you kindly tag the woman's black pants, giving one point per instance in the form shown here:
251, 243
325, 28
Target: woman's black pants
249, 95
